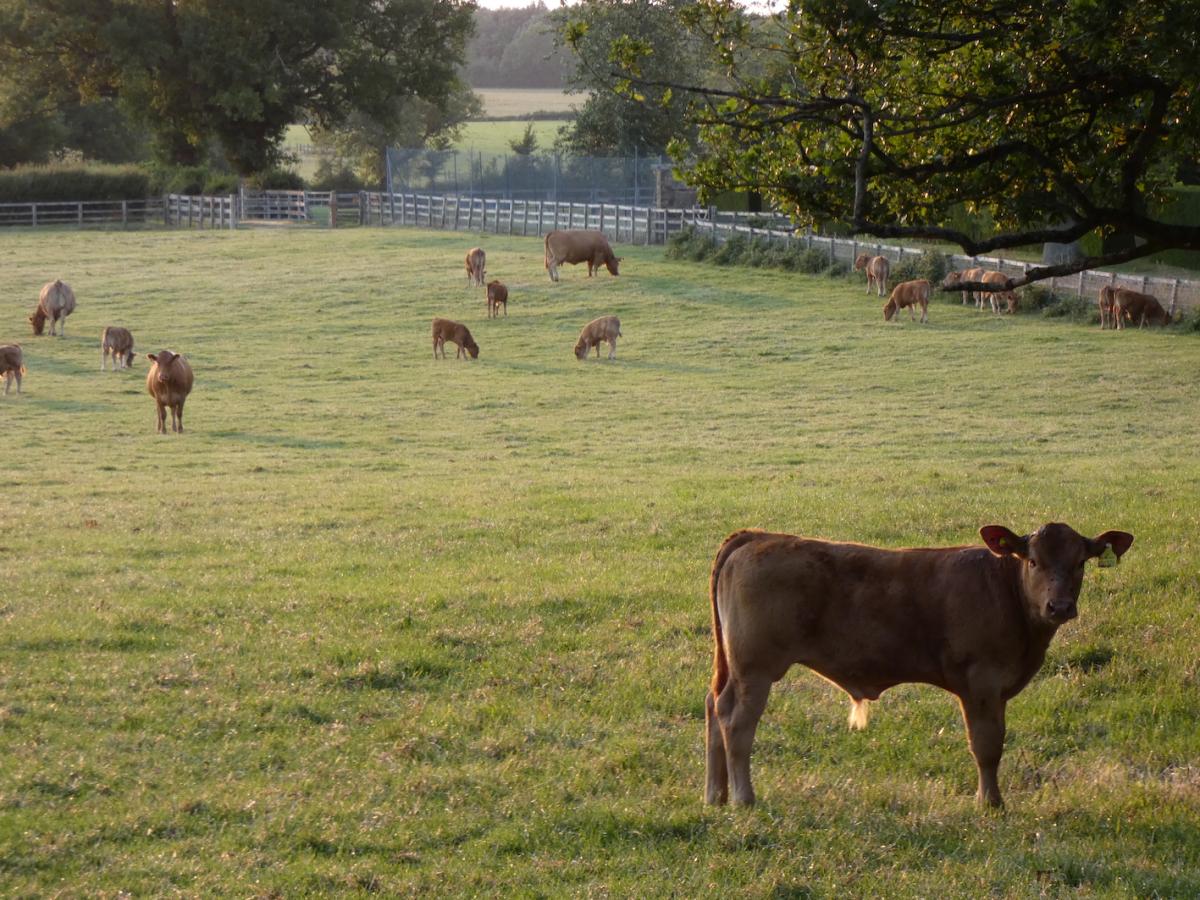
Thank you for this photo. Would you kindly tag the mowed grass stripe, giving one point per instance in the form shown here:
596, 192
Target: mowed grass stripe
381, 623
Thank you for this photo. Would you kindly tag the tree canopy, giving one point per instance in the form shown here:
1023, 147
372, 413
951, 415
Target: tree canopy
240, 73
1056, 120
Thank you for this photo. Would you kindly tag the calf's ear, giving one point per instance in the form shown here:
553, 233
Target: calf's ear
1119, 541
152, 356
1003, 542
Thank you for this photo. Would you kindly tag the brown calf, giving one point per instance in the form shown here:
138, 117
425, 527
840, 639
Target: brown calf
55, 302
169, 382
12, 365
1141, 308
596, 332
877, 268
908, 294
975, 621
118, 342
475, 263
497, 296
457, 334
1106, 301
966, 276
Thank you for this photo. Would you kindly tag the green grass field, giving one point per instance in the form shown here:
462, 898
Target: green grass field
377, 623
527, 101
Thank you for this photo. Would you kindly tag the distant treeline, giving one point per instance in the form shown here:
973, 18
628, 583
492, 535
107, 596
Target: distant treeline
514, 48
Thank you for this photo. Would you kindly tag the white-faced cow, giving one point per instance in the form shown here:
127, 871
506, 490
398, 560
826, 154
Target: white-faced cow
55, 302
117, 342
578, 246
975, 621
169, 382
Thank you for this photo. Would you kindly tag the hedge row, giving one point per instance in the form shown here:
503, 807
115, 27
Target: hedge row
26, 184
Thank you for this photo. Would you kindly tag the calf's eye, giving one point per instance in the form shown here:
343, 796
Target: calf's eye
1033, 564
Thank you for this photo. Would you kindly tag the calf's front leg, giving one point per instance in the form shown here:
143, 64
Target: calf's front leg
984, 718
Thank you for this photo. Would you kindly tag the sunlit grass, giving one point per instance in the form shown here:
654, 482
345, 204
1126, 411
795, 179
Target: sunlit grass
380, 623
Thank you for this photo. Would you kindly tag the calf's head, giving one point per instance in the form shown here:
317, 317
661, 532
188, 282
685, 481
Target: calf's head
861, 260
889, 309
163, 360
581, 349
613, 262
38, 321
471, 347
1052, 561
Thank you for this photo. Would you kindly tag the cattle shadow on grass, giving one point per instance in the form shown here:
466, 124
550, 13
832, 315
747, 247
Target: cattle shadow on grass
280, 440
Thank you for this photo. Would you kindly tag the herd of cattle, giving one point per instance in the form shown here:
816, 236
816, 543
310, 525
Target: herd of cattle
1117, 305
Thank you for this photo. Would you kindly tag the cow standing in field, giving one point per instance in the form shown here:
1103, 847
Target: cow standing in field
578, 246
117, 342
908, 294
12, 365
994, 297
497, 296
457, 334
476, 259
975, 621
596, 332
1106, 302
55, 302
169, 382
1133, 306
877, 268
967, 276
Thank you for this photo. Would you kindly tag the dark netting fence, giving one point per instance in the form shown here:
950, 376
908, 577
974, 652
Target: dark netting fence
578, 179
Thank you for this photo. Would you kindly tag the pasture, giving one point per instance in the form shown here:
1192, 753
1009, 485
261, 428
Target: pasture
377, 623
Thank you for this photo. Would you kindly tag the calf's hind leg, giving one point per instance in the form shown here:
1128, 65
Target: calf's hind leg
716, 772
739, 708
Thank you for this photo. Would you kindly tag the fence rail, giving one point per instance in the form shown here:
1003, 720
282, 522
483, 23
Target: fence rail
620, 222
83, 213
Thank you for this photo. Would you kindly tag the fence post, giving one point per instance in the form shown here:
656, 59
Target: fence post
79, 212
333, 209
124, 213
648, 226
541, 205
470, 212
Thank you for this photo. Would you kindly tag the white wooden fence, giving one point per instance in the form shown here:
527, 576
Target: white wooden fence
83, 213
187, 211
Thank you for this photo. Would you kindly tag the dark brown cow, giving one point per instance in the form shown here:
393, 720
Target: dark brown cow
877, 268
12, 365
908, 294
118, 342
169, 382
497, 296
975, 621
595, 333
578, 246
55, 302
457, 334
1133, 306
476, 259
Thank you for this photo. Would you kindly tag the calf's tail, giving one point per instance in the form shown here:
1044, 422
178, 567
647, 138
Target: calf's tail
720, 662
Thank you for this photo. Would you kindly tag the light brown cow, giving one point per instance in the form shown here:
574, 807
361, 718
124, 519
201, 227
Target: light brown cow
12, 365
877, 268
975, 621
497, 296
966, 276
994, 297
55, 302
908, 294
457, 334
596, 332
1133, 306
169, 382
476, 259
118, 342
578, 246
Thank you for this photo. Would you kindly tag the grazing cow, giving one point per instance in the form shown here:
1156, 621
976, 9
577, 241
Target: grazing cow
12, 365
908, 294
995, 297
877, 268
595, 332
457, 334
169, 382
118, 342
967, 276
55, 302
497, 296
975, 621
579, 246
1141, 308
475, 263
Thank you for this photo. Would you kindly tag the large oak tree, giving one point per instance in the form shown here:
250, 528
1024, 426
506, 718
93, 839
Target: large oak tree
239, 73
1055, 119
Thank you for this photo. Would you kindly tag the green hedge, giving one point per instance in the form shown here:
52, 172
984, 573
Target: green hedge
49, 183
